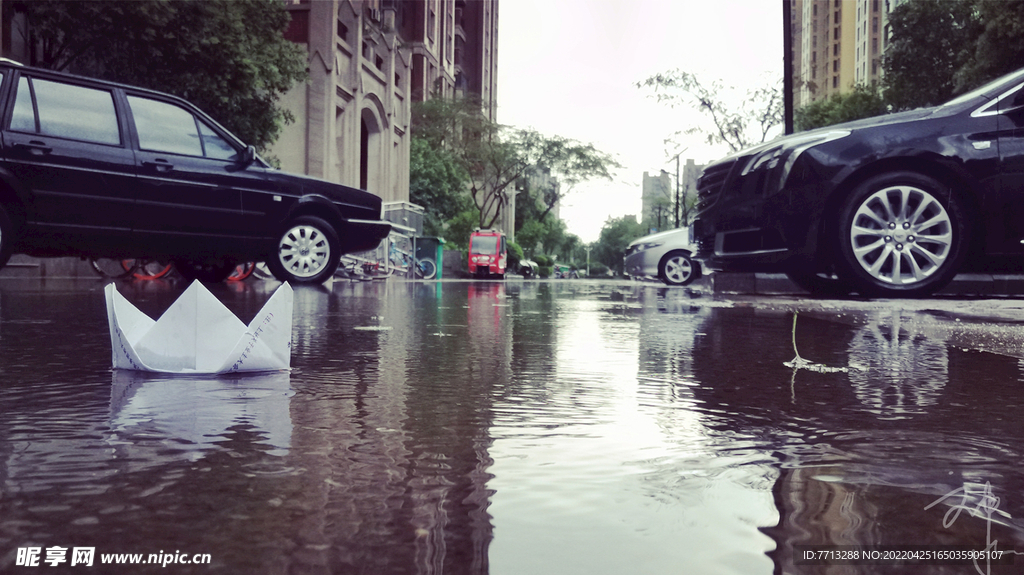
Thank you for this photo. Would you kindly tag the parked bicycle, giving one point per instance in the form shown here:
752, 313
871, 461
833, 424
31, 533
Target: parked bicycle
404, 262
142, 269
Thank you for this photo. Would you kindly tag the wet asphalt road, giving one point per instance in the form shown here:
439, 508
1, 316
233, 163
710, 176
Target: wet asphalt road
516, 427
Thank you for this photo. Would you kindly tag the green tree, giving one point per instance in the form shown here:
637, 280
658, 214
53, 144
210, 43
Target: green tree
229, 57
999, 47
862, 102
437, 181
738, 127
931, 41
496, 157
615, 236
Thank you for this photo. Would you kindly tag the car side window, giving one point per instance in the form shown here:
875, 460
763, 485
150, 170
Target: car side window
216, 147
24, 118
65, 111
164, 127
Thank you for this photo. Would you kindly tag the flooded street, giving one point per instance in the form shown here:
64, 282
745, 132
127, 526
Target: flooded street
517, 427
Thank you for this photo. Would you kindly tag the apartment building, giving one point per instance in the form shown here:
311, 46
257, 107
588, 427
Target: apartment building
369, 60
837, 44
827, 33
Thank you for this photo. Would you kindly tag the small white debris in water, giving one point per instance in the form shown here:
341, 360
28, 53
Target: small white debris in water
372, 327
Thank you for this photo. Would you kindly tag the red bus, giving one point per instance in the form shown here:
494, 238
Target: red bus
488, 253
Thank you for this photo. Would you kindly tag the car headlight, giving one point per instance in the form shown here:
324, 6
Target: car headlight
649, 246
786, 154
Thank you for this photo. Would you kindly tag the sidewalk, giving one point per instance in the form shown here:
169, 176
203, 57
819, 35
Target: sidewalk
974, 285
981, 285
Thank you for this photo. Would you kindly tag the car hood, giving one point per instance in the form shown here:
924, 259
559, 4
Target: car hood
853, 126
682, 233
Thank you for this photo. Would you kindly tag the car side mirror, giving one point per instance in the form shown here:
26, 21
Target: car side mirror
249, 156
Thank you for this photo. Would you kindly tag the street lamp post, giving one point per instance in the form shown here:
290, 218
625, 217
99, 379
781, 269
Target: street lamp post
678, 198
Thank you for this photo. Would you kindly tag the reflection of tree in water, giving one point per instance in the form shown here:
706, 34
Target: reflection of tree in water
898, 370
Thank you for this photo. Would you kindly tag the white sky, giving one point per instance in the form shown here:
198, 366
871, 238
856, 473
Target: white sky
569, 68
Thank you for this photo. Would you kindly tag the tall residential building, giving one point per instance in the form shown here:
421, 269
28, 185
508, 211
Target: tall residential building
826, 30
368, 61
868, 47
837, 44
658, 195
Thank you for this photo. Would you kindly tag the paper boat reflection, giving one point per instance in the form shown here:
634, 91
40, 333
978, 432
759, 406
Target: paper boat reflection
197, 334
198, 412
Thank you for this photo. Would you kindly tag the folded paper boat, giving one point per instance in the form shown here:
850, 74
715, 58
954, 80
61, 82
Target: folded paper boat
197, 334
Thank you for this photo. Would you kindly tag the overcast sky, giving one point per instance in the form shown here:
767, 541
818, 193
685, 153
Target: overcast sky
570, 68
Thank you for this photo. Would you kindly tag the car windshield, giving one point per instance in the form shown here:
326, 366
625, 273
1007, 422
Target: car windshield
996, 85
484, 245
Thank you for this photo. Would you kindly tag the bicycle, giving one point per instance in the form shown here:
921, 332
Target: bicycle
142, 269
404, 262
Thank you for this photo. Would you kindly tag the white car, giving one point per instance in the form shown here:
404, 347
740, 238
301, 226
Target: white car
664, 255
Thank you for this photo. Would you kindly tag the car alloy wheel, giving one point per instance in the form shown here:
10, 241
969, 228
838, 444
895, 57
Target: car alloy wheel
677, 269
307, 251
903, 235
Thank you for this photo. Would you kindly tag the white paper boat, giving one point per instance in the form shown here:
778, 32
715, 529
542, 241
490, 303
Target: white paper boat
197, 334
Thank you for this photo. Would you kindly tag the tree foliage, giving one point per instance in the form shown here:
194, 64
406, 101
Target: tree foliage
738, 126
437, 180
616, 235
931, 41
862, 102
496, 157
228, 57
999, 46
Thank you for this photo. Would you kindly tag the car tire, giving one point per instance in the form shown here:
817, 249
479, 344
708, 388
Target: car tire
206, 272
678, 269
902, 234
307, 251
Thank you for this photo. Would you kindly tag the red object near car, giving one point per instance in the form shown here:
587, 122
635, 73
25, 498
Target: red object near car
488, 253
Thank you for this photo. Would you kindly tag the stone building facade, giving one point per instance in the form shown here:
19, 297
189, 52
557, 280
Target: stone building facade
369, 60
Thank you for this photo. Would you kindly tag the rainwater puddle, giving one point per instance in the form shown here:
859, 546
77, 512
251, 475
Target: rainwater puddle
512, 427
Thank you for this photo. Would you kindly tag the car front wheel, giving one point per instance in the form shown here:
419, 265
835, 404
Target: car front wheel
902, 235
307, 251
677, 269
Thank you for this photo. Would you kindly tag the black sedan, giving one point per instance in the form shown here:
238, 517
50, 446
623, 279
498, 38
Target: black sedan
892, 206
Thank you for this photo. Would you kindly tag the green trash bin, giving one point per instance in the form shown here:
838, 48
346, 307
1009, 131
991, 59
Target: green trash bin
431, 248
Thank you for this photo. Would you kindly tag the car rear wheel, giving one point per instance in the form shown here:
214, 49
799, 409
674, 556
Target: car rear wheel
677, 269
307, 251
902, 235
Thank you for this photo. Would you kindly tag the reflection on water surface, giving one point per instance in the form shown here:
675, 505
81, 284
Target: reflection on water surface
517, 427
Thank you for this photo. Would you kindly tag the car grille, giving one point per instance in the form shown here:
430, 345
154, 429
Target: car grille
709, 186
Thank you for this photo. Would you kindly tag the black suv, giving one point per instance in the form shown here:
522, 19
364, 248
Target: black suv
97, 169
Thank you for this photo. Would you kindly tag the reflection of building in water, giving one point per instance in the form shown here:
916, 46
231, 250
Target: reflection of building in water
895, 370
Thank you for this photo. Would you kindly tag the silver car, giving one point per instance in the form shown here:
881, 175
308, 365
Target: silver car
664, 255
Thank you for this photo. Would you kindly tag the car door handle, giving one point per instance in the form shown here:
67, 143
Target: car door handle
159, 165
34, 147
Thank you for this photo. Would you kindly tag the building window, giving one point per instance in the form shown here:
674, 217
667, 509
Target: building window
874, 24
835, 81
874, 45
342, 31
